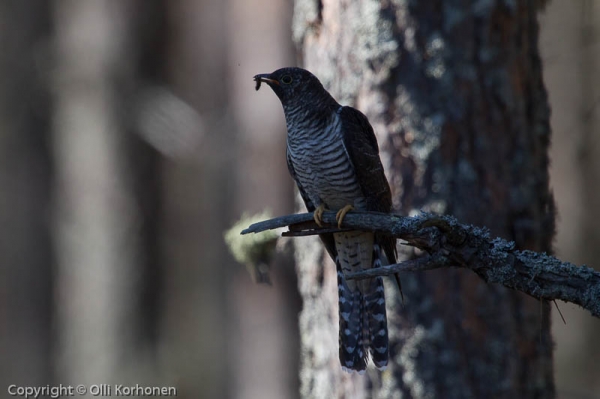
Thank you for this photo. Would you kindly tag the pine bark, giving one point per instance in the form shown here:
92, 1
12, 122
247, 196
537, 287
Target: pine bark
455, 94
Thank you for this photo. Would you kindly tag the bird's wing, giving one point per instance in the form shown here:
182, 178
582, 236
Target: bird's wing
362, 149
327, 239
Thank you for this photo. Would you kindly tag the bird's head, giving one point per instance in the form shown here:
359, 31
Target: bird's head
294, 86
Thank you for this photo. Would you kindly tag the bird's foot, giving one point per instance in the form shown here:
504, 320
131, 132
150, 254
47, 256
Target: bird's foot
318, 215
341, 213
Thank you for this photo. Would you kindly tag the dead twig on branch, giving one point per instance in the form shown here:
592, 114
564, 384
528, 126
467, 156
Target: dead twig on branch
451, 244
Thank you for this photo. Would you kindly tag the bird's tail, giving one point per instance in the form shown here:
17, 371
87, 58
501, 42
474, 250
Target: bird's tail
363, 321
378, 333
353, 353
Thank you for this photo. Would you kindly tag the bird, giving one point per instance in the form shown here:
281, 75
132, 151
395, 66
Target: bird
333, 156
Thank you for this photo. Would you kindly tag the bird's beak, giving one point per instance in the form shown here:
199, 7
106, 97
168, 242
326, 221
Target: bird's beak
264, 78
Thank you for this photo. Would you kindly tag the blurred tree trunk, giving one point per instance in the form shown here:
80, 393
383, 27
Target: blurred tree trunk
264, 355
589, 151
198, 198
26, 172
569, 48
455, 95
96, 216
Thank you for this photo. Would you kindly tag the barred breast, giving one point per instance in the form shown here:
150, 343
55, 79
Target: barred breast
321, 163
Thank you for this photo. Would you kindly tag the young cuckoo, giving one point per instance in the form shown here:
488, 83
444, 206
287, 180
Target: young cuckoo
333, 156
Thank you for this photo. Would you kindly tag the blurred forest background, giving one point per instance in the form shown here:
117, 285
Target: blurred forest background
131, 137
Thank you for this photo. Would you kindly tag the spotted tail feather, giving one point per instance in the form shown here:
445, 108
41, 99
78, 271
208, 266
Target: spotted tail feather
353, 354
377, 324
363, 321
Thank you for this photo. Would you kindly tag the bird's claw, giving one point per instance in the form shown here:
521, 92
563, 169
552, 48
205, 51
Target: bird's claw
339, 216
318, 215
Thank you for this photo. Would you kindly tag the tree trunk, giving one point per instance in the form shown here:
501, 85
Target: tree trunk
456, 97
197, 202
26, 170
96, 217
569, 48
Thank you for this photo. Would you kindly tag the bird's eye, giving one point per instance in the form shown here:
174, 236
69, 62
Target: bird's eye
286, 79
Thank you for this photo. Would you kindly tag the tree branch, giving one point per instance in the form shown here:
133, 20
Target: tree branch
451, 244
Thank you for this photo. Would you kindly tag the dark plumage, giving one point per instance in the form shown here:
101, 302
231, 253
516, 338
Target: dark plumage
333, 156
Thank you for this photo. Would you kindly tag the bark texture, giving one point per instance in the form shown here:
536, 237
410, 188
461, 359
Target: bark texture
455, 94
